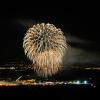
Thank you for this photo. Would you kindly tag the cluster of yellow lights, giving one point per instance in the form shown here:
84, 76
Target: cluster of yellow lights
44, 83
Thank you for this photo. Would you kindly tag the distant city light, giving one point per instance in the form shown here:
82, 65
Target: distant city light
78, 82
45, 83
85, 82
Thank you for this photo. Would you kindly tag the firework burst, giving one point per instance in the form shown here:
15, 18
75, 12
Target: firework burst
45, 46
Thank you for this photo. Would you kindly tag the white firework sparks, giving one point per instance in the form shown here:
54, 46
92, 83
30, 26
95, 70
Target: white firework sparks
45, 46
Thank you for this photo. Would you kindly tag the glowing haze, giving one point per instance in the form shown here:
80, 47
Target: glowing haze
45, 45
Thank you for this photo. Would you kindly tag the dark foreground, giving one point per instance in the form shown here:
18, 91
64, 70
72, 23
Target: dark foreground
50, 92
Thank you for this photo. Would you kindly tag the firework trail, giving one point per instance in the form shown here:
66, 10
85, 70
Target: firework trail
45, 46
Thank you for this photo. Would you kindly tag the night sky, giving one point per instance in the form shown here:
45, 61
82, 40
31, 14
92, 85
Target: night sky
80, 25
